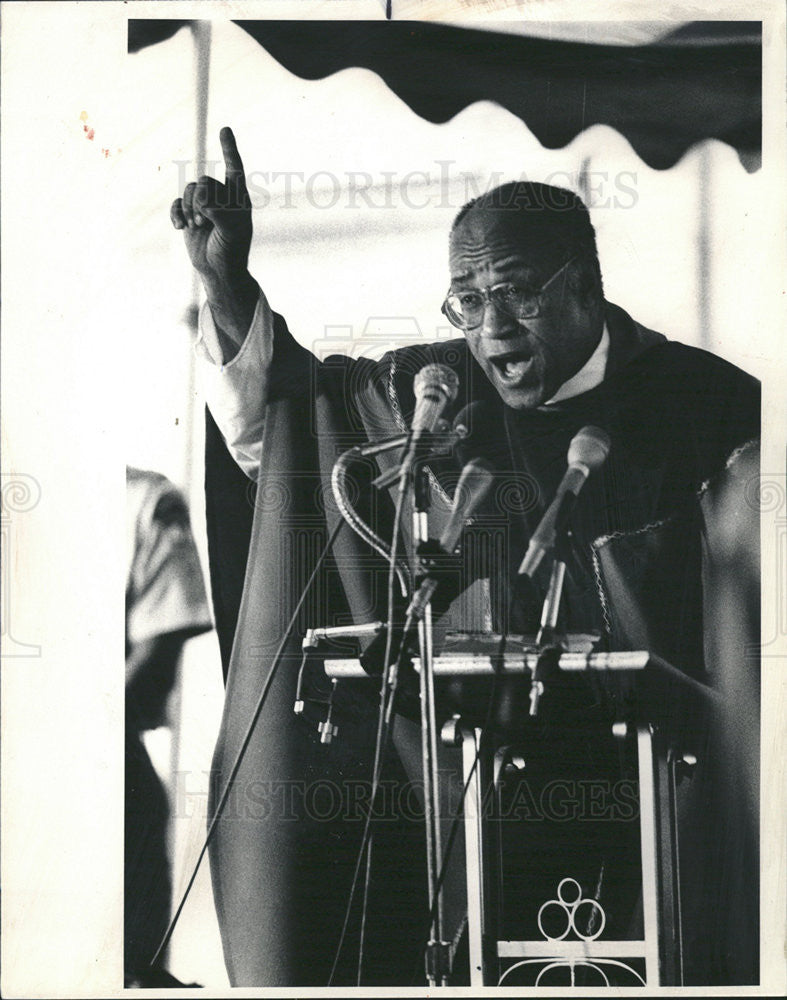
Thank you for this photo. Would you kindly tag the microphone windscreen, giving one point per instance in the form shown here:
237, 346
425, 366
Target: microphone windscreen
589, 447
437, 378
435, 386
481, 431
475, 482
468, 417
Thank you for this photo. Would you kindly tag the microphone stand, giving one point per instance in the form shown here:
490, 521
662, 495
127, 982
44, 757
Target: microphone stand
549, 645
437, 950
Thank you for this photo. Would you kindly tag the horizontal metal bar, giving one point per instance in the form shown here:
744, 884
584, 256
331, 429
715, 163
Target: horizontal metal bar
570, 949
480, 665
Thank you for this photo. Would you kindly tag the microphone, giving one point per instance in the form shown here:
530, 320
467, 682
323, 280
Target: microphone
475, 481
479, 429
586, 453
435, 387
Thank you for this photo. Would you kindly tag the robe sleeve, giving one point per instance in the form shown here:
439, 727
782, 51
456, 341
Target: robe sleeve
237, 391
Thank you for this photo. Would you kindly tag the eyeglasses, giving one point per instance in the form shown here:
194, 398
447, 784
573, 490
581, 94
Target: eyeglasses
466, 309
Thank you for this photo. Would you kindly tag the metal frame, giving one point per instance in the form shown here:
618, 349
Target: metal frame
660, 945
659, 768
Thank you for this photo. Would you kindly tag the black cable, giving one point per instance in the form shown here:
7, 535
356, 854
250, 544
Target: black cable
247, 736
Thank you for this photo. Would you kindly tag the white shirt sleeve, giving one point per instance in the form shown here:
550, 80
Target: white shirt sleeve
236, 392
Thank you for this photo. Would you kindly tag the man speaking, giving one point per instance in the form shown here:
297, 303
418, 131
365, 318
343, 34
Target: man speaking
543, 355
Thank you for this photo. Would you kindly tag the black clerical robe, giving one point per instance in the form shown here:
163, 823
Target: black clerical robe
637, 574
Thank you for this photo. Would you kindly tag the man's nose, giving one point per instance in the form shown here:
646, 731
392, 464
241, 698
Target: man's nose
496, 324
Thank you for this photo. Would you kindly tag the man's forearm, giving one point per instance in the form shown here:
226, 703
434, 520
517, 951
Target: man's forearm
232, 301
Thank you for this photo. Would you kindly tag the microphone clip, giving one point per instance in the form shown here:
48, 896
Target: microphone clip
547, 669
432, 444
549, 646
434, 560
435, 567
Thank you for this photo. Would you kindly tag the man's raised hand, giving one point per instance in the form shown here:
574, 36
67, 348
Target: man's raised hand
216, 222
216, 218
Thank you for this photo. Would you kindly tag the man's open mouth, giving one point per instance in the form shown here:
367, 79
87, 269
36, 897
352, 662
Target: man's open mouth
513, 366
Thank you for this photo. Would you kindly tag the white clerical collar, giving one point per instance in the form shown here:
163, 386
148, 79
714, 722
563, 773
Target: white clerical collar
589, 376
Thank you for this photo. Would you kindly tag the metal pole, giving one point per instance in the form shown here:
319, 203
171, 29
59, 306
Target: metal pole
474, 853
436, 949
649, 855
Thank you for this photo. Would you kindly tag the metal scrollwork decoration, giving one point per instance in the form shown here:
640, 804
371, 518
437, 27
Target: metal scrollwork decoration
570, 913
567, 905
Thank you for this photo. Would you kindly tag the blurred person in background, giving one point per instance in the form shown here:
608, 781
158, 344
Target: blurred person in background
166, 605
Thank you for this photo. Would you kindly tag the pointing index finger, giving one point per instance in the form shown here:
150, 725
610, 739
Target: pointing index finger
234, 176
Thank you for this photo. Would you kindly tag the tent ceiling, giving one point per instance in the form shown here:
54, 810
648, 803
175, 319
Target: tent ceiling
703, 81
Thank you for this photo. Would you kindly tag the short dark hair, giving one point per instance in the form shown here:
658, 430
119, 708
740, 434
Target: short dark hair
552, 219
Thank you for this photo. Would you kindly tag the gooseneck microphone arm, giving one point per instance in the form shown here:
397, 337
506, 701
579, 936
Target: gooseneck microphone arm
359, 526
